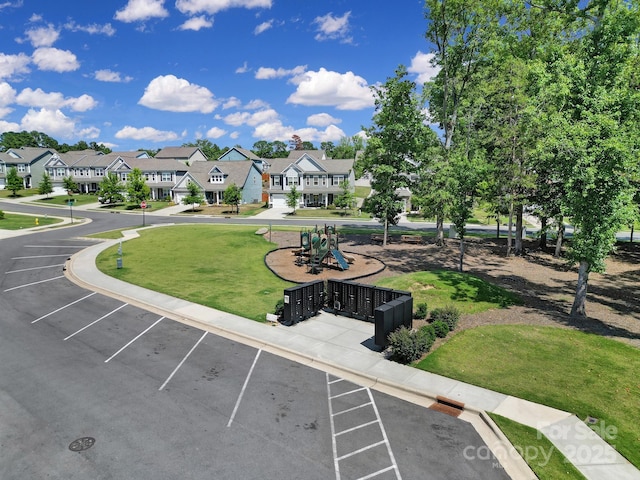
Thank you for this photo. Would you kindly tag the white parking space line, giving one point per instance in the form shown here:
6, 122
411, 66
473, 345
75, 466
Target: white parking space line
40, 256
34, 268
246, 382
96, 321
136, 338
183, 360
335, 435
62, 308
33, 283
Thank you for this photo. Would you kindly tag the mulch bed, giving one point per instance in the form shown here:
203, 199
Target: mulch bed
546, 284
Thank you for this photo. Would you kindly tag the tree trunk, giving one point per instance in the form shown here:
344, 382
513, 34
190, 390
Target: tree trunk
578, 308
386, 227
631, 237
439, 231
560, 238
518, 247
543, 233
509, 230
497, 226
461, 254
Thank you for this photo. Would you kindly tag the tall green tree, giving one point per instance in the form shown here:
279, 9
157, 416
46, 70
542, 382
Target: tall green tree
14, 181
137, 188
45, 187
397, 136
211, 150
293, 198
592, 131
233, 196
194, 196
347, 198
110, 189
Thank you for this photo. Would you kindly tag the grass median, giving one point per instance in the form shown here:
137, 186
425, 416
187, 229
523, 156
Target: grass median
217, 266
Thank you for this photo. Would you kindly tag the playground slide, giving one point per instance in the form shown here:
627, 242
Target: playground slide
337, 254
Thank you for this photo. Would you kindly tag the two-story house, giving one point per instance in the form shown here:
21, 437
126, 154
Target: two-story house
213, 178
186, 155
29, 163
317, 178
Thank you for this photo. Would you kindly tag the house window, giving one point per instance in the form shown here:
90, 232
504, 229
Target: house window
316, 180
276, 181
217, 178
166, 176
59, 172
123, 176
337, 180
99, 172
293, 180
308, 182
22, 167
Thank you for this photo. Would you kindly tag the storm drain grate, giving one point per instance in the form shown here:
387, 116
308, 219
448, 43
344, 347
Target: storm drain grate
81, 444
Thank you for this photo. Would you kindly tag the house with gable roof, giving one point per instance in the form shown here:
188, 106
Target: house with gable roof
214, 178
186, 155
29, 163
317, 178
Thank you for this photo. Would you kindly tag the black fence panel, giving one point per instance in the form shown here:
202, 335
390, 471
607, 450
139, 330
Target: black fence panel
303, 301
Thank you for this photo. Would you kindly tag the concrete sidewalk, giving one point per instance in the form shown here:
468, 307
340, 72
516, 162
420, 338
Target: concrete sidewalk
343, 346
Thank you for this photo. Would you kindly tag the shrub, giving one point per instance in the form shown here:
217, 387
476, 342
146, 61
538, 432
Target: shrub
407, 345
441, 328
421, 311
1, 215
449, 315
428, 331
279, 310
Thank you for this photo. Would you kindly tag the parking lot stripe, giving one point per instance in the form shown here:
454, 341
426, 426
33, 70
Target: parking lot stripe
384, 435
183, 360
33, 283
348, 430
62, 308
33, 268
246, 382
360, 450
96, 321
375, 474
136, 337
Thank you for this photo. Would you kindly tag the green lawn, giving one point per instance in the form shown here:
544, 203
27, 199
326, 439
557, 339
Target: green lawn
12, 221
246, 210
443, 287
63, 200
5, 193
585, 374
329, 214
546, 461
218, 266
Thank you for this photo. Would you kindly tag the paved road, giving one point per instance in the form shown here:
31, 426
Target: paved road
141, 396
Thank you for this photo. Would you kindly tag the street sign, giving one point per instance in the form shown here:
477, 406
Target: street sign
143, 205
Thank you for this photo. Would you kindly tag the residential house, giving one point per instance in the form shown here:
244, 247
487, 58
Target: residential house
213, 178
317, 178
186, 155
29, 163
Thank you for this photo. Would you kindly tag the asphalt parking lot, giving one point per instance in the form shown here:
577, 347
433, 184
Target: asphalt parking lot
160, 399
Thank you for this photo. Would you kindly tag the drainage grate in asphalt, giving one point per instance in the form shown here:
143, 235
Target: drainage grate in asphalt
81, 444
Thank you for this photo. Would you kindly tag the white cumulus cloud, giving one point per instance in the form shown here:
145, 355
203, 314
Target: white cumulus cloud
277, 131
192, 7
54, 100
92, 29
9, 126
322, 120
141, 10
196, 23
13, 65
7, 95
107, 75
333, 28
43, 36
251, 119
421, 65
344, 91
174, 94
263, 27
54, 122
146, 133
216, 132
267, 73
55, 60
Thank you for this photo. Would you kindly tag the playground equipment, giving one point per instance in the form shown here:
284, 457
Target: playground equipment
319, 248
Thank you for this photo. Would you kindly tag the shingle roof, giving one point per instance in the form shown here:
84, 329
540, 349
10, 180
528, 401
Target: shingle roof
176, 152
235, 172
330, 166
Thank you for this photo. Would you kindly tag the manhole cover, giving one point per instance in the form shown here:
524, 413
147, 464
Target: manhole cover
82, 444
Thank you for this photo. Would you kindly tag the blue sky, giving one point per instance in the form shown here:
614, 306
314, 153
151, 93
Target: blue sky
152, 73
